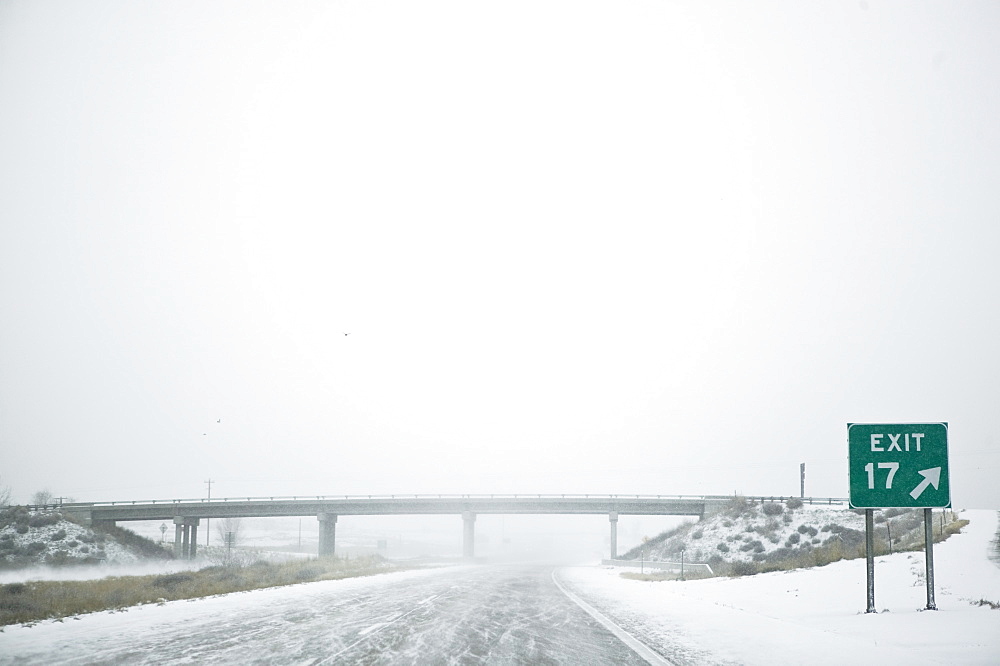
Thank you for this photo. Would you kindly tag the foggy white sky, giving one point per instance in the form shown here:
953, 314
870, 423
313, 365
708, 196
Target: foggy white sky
625, 247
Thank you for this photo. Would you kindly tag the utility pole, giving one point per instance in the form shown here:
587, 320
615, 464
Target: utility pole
802, 481
208, 521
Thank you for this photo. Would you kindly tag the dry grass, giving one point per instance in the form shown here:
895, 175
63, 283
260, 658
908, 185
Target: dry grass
952, 528
34, 601
666, 575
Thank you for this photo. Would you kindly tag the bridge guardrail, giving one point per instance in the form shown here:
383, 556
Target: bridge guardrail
321, 498
668, 566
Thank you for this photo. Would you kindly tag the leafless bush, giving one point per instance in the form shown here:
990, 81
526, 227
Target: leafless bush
5, 495
42, 497
772, 509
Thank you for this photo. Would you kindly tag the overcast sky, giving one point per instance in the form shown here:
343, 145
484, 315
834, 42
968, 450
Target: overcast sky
594, 247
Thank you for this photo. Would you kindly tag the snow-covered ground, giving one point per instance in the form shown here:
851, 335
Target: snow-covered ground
812, 616
816, 616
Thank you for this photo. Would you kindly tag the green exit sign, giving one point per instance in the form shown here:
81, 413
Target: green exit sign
902, 465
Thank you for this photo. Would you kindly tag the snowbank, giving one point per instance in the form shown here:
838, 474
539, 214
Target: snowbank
817, 615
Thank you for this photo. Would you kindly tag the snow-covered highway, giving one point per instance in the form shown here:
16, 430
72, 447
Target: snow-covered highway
511, 614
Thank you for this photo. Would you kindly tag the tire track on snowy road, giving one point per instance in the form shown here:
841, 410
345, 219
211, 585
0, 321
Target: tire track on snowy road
366, 634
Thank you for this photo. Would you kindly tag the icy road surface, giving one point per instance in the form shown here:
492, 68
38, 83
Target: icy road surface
513, 614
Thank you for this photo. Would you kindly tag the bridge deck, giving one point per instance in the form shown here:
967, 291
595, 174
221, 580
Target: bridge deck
258, 507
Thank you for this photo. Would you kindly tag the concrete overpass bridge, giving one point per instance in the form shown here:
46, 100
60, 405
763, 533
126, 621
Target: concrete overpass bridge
186, 514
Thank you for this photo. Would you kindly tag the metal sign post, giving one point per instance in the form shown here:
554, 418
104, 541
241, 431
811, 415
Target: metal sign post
898, 465
870, 556
929, 557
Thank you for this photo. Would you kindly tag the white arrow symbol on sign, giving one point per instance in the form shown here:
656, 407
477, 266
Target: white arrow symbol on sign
931, 478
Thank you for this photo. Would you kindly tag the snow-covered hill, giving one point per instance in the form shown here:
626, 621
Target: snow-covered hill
750, 537
34, 538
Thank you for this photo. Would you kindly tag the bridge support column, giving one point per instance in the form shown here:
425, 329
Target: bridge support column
193, 526
327, 533
469, 535
185, 537
178, 536
613, 517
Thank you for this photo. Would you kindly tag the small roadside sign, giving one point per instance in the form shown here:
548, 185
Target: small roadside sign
898, 465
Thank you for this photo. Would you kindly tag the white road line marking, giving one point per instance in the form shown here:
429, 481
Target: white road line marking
625, 637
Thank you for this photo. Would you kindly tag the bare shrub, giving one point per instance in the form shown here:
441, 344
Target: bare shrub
779, 554
231, 526
739, 506
58, 559
743, 569
772, 509
793, 503
44, 519
35, 547
41, 497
